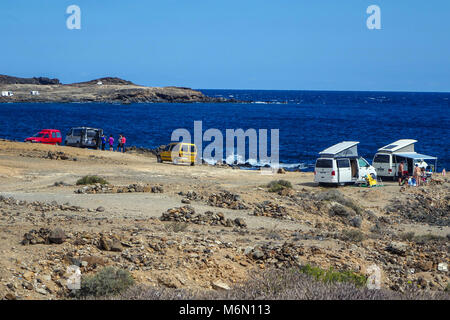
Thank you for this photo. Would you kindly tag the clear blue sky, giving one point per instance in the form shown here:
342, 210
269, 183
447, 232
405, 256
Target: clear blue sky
245, 44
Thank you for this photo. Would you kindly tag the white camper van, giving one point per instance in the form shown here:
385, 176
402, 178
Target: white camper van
388, 158
340, 164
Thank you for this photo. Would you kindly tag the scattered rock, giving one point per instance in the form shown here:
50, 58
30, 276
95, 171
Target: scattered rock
10, 296
397, 248
270, 209
187, 214
226, 199
57, 236
219, 285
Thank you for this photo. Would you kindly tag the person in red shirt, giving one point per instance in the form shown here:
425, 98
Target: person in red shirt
124, 140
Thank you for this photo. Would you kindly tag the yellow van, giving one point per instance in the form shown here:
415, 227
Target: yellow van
178, 152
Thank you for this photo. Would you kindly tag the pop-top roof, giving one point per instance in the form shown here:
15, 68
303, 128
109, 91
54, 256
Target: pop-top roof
339, 148
397, 145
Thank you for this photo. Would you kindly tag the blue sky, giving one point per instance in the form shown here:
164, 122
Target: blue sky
245, 44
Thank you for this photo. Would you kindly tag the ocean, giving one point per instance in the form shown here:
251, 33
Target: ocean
308, 121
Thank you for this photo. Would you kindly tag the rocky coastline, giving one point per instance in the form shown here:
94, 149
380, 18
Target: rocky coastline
103, 90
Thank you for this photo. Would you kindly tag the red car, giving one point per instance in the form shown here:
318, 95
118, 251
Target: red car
47, 136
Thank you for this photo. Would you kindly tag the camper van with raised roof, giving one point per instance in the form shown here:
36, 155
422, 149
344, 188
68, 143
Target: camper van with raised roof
340, 165
388, 158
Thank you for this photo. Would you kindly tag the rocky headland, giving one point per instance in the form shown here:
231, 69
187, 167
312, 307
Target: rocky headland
104, 90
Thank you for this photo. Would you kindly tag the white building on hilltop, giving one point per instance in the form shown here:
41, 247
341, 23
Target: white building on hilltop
7, 94
34, 93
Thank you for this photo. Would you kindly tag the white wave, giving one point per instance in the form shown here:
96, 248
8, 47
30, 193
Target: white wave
240, 161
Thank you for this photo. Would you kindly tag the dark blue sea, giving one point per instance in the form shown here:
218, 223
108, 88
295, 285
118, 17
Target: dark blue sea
309, 121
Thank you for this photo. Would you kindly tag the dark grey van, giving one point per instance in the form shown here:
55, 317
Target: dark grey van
84, 137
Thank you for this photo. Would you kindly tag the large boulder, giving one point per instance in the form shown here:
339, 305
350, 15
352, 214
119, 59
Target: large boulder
57, 236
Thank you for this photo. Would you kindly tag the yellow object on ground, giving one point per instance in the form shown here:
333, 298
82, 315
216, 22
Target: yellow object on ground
371, 181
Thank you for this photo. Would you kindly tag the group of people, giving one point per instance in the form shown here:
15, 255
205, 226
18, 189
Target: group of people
120, 144
419, 175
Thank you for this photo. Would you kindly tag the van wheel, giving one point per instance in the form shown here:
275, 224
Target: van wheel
158, 159
192, 164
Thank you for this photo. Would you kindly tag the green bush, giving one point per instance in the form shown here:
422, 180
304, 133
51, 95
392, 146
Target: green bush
353, 235
335, 195
332, 276
91, 180
428, 238
278, 185
408, 236
108, 281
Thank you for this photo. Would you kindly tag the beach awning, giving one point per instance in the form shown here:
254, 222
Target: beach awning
415, 156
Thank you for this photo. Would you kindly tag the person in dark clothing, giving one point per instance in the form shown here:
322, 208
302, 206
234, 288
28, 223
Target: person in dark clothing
103, 142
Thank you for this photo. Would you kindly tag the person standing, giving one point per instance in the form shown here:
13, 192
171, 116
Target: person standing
124, 140
103, 142
417, 174
119, 143
401, 168
111, 143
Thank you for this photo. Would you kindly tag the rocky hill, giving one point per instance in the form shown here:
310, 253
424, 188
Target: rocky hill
38, 81
106, 90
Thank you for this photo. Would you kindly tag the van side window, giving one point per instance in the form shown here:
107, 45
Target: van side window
382, 158
185, 148
91, 133
193, 149
76, 132
343, 163
58, 134
53, 135
324, 163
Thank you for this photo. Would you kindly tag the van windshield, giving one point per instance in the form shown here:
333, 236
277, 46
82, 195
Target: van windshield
324, 163
76, 132
39, 135
381, 158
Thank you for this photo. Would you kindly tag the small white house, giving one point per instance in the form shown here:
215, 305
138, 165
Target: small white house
34, 93
99, 83
7, 94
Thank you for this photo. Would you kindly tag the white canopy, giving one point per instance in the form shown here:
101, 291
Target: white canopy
399, 145
342, 149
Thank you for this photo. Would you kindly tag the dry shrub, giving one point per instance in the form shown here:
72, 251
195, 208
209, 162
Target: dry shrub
86, 180
282, 284
278, 185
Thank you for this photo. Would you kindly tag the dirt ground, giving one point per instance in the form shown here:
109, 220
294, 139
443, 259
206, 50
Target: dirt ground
197, 256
